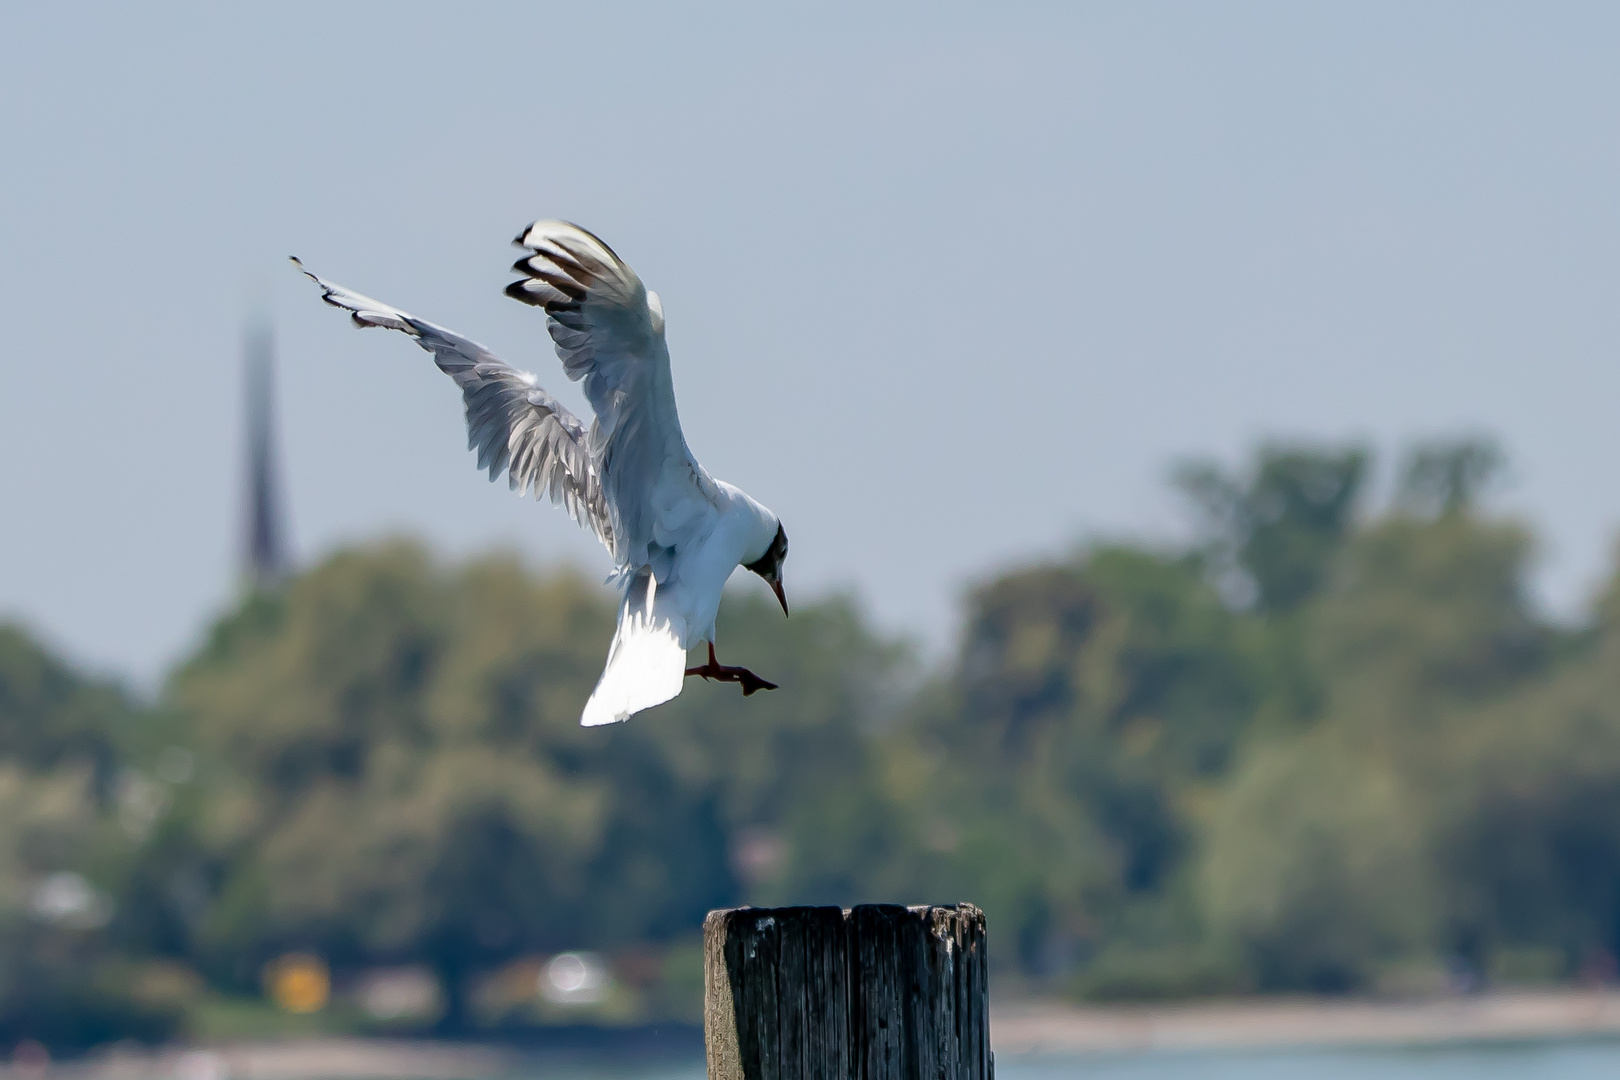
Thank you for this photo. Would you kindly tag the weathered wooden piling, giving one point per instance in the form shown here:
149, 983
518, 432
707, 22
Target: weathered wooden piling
878, 992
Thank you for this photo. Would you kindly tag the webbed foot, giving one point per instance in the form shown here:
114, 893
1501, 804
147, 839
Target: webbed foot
721, 673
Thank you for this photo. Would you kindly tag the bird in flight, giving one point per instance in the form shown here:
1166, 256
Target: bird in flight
675, 532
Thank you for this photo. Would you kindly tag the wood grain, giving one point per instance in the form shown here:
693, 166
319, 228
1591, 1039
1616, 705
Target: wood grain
877, 992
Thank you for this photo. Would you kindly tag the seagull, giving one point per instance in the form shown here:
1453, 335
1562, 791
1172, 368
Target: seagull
675, 532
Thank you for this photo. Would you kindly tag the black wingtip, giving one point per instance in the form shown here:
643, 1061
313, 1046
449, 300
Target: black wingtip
302, 269
517, 292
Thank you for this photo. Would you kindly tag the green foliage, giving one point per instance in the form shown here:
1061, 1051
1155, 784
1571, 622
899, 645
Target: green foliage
1319, 749
1530, 828
1447, 477
1323, 860
49, 714
1315, 868
1281, 527
385, 789
1098, 703
399, 775
65, 853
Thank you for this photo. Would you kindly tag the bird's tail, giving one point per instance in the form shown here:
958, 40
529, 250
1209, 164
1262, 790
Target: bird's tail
646, 663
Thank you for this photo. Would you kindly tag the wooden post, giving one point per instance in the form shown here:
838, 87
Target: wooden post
878, 992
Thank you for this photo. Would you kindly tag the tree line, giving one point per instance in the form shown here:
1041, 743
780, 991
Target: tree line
1326, 746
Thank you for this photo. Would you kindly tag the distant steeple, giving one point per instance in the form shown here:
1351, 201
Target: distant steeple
264, 536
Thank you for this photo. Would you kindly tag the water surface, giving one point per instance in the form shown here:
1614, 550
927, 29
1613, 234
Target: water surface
1564, 1061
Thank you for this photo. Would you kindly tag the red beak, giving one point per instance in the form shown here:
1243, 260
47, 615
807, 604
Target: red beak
776, 587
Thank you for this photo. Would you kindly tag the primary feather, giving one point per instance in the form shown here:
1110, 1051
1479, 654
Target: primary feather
609, 334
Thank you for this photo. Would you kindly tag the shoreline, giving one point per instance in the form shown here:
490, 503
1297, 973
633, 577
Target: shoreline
1032, 1027
1047, 1027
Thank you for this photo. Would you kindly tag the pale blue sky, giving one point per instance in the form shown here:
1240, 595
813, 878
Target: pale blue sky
947, 286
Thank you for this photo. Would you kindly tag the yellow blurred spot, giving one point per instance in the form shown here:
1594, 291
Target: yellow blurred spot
298, 982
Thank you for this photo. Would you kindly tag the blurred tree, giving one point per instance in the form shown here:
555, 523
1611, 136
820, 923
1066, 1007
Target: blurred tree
1384, 758
50, 715
1274, 533
776, 766
379, 787
1319, 856
68, 808
1425, 615
400, 773
1092, 704
1317, 867
63, 982
1448, 476
1530, 830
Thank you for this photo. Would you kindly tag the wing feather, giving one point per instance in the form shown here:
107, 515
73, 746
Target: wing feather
513, 425
609, 334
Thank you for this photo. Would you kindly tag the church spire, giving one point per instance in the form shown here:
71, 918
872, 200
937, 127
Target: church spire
264, 551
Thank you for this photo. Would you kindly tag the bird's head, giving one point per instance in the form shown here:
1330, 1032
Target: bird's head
769, 565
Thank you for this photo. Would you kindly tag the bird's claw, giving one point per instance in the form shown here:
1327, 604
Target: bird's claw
723, 673
752, 682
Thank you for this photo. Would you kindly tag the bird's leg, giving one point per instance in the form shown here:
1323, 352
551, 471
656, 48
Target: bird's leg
721, 673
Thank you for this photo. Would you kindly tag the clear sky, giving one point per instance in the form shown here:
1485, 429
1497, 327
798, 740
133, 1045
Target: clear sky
946, 286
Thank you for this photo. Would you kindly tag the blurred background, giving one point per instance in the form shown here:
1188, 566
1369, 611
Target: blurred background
1194, 424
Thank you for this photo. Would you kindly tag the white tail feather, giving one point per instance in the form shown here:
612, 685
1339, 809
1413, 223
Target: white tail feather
646, 663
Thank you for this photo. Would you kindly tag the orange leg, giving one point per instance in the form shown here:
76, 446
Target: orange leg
720, 673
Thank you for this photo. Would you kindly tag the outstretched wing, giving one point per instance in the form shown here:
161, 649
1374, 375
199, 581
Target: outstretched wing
512, 424
609, 333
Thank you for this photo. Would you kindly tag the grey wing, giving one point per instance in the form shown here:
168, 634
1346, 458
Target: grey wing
512, 424
609, 333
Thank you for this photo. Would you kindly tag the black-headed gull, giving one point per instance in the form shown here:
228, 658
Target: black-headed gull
675, 532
